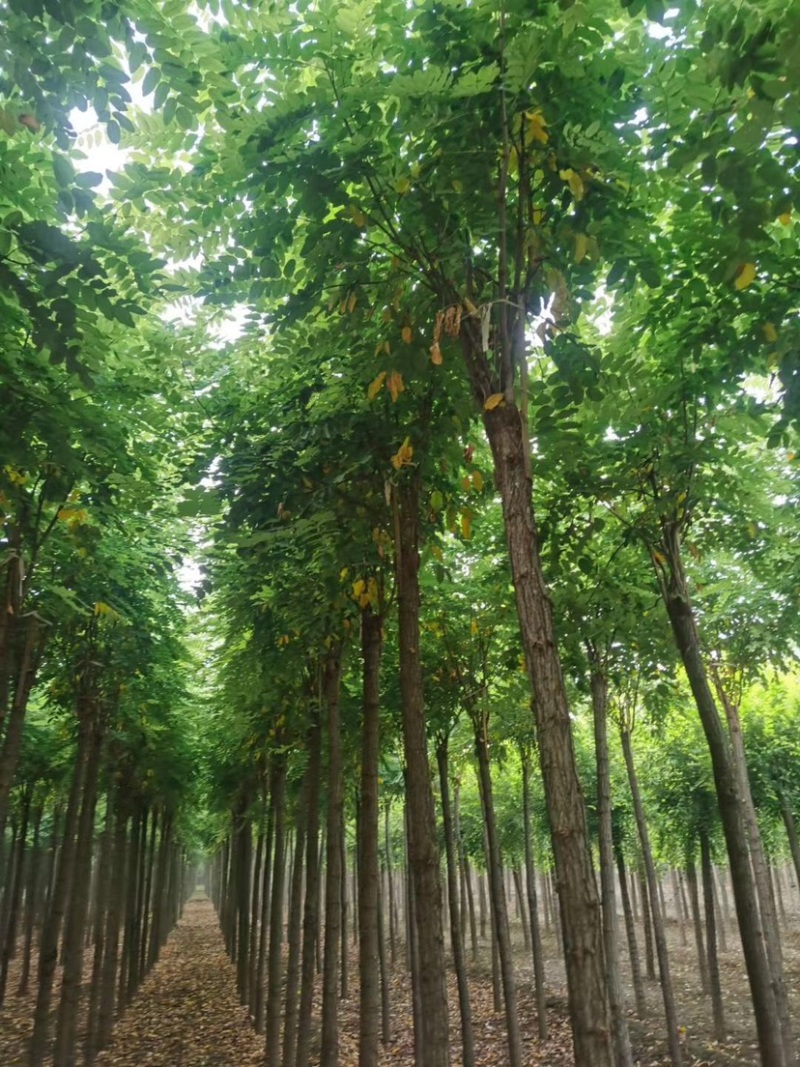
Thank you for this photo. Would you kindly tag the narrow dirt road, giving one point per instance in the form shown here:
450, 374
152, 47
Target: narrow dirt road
187, 1013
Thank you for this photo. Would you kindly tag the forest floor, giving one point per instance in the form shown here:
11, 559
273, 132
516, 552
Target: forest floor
187, 1012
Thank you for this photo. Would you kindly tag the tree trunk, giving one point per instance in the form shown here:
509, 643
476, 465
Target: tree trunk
630, 932
33, 895
684, 628
667, 992
368, 867
51, 929
295, 928
623, 1056
12, 741
459, 960
102, 893
577, 890
114, 920
533, 907
13, 890
64, 1054
329, 1056
390, 884
258, 1000
499, 909
791, 832
694, 898
647, 924
272, 1043
711, 938
311, 902
423, 845
463, 863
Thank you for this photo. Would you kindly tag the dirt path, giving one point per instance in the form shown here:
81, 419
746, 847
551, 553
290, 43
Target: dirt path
187, 1013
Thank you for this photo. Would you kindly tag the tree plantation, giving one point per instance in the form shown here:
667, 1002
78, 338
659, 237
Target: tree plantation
399, 536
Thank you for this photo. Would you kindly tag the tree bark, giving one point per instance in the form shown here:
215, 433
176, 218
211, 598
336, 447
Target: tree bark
577, 889
684, 629
499, 909
368, 867
623, 1056
456, 939
329, 1056
295, 928
423, 845
711, 938
272, 1043
533, 907
311, 902
630, 932
667, 992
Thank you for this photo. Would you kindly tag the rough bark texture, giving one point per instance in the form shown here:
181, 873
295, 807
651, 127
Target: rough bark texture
623, 1056
368, 868
684, 629
711, 938
456, 937
651, 890
497, 888
533, 908
577, 890
329, 1055
423, 846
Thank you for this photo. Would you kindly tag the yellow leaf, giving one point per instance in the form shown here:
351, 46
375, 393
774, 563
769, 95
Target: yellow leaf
538, 216
752, 529
351, 303
402, 185
375, 385
785, 218
437, 553
473, 627
458, 185
745, 276
471, 309
436, 354
536, 131
581, 246
513, 161
407, 334
770, 333
575, 182
477, 480
343, 573
101, 608
359, 588
466, 525
395, 385
659, 557
466, 483
404, 455
493, 401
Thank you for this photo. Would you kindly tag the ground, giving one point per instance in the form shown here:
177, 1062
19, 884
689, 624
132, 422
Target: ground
187, 1013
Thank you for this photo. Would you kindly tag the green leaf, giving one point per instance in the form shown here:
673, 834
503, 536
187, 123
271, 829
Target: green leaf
150, 81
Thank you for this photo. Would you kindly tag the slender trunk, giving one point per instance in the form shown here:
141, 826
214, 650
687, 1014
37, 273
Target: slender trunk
533, 907
255, 912
791, 832
623, 1057
258, 1000
333, 877
423, 845
459, 960
679, 912
711, 937
463, 863
311, 902
630, 932
760, 865
64, 1054
500, 909
114, 919
244, 842
684, 628
647, 924
51, 929
667, 992
32, 899
151, 907
694, 899
412, 942
386, 1004
13, 890
344, 955
12, 741
580, 906
390, 884
368, 867
295, 929
272, 1043
102, 893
